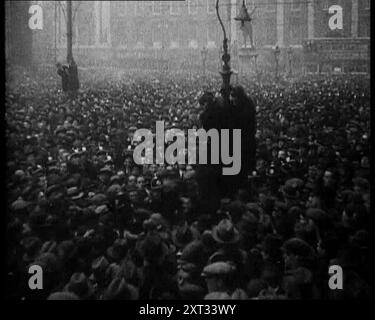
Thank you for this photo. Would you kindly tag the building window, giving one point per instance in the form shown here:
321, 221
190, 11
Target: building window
192, 6
175, 8
366, 4
211, 6
156, 7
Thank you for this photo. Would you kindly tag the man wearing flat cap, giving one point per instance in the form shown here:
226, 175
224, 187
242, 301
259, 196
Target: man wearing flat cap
219, 280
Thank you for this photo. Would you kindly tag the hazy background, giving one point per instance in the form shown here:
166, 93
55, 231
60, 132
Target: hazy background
169, 36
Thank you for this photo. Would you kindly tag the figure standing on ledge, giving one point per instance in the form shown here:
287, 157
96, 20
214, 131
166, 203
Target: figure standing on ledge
63, 72
238, 114
69, 76
247, 30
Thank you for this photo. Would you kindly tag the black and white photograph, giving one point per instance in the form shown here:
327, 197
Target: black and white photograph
187, 150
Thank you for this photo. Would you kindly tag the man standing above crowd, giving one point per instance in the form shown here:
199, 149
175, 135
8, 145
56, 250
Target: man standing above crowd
239, 114
69, 77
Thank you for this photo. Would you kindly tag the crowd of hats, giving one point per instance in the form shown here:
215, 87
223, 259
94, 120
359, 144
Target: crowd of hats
102, 227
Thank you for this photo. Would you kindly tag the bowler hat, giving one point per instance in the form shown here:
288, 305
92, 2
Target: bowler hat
219, 268
19, 173
193, 253
225, 232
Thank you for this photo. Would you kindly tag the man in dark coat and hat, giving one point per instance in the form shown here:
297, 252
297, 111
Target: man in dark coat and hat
240, 114
246, 121
63, 72
208, 176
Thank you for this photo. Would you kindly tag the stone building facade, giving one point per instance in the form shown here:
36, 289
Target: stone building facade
150, 34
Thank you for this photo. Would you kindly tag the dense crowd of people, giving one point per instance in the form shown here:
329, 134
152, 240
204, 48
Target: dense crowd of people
102, 227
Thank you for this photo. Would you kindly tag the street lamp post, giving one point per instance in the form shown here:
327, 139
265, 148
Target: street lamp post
55, 31
226, 71
277, 56
290, 57
69, 32
73, 70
